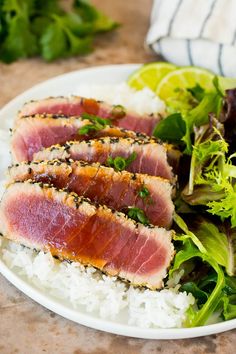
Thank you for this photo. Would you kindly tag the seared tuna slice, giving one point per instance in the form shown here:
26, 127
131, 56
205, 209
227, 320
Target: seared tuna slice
75, 106
117, 190
72, 228
150, 158
31, 134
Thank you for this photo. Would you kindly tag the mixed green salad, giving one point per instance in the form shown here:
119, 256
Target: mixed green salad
201, 121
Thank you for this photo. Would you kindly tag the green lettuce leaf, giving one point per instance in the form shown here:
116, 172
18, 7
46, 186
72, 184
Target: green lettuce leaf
190, 251
219, 245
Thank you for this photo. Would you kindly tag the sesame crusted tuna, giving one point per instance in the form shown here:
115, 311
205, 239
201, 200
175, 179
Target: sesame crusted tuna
103, 185
31, 134
150, 156
76, 105
72, 228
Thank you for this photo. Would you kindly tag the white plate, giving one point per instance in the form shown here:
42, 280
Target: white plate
64, 85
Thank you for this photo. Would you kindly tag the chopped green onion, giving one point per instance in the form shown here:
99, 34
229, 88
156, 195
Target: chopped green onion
96, 119
144, 192
120, 163
118, 111
131, 158
86, 129
138, 214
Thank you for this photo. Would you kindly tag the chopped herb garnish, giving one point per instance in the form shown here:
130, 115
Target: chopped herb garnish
138, 214
145, 195
44, 28
120, 163
98, 123
97, 119
131, 158
86, 129
118, 111
144, 192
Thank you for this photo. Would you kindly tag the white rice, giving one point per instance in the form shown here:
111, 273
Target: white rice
99, 294
84, 287
142, 102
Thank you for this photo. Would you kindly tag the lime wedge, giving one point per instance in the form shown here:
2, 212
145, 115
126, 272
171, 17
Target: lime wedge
149, 75
227, 82
181, 79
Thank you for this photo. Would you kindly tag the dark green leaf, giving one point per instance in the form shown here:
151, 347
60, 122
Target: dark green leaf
48, 7
190, 251
138, 214
86, 10
230, 285
89, 13
171, 128
18, 7
199, 294
54, 42
73, 21
78, 46
39, 24
20, 42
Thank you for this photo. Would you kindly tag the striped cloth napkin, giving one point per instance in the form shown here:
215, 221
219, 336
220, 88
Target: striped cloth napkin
195, 32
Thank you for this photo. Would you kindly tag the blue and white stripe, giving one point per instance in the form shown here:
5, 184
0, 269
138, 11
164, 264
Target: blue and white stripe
195, 32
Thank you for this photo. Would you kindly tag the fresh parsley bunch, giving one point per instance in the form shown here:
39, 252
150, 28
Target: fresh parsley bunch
36, 27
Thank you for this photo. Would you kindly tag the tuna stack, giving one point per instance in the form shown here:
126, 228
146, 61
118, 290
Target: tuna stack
87, 184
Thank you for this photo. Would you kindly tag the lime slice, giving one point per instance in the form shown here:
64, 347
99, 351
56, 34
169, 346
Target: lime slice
149, 75
227, 82
180, 79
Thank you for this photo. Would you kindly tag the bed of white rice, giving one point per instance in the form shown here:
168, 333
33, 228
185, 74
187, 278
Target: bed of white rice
85, 287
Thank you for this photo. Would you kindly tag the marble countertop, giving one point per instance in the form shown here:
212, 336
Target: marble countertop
25, 326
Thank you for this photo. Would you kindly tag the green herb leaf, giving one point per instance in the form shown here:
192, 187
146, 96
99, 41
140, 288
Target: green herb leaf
138, 214
53, 42
20, 42
33, 27
171, 128
100, 22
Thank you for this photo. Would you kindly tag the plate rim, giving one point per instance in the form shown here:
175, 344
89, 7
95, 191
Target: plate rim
87, 319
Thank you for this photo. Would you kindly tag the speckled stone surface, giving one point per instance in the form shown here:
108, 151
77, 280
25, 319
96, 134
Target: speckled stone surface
28, 328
